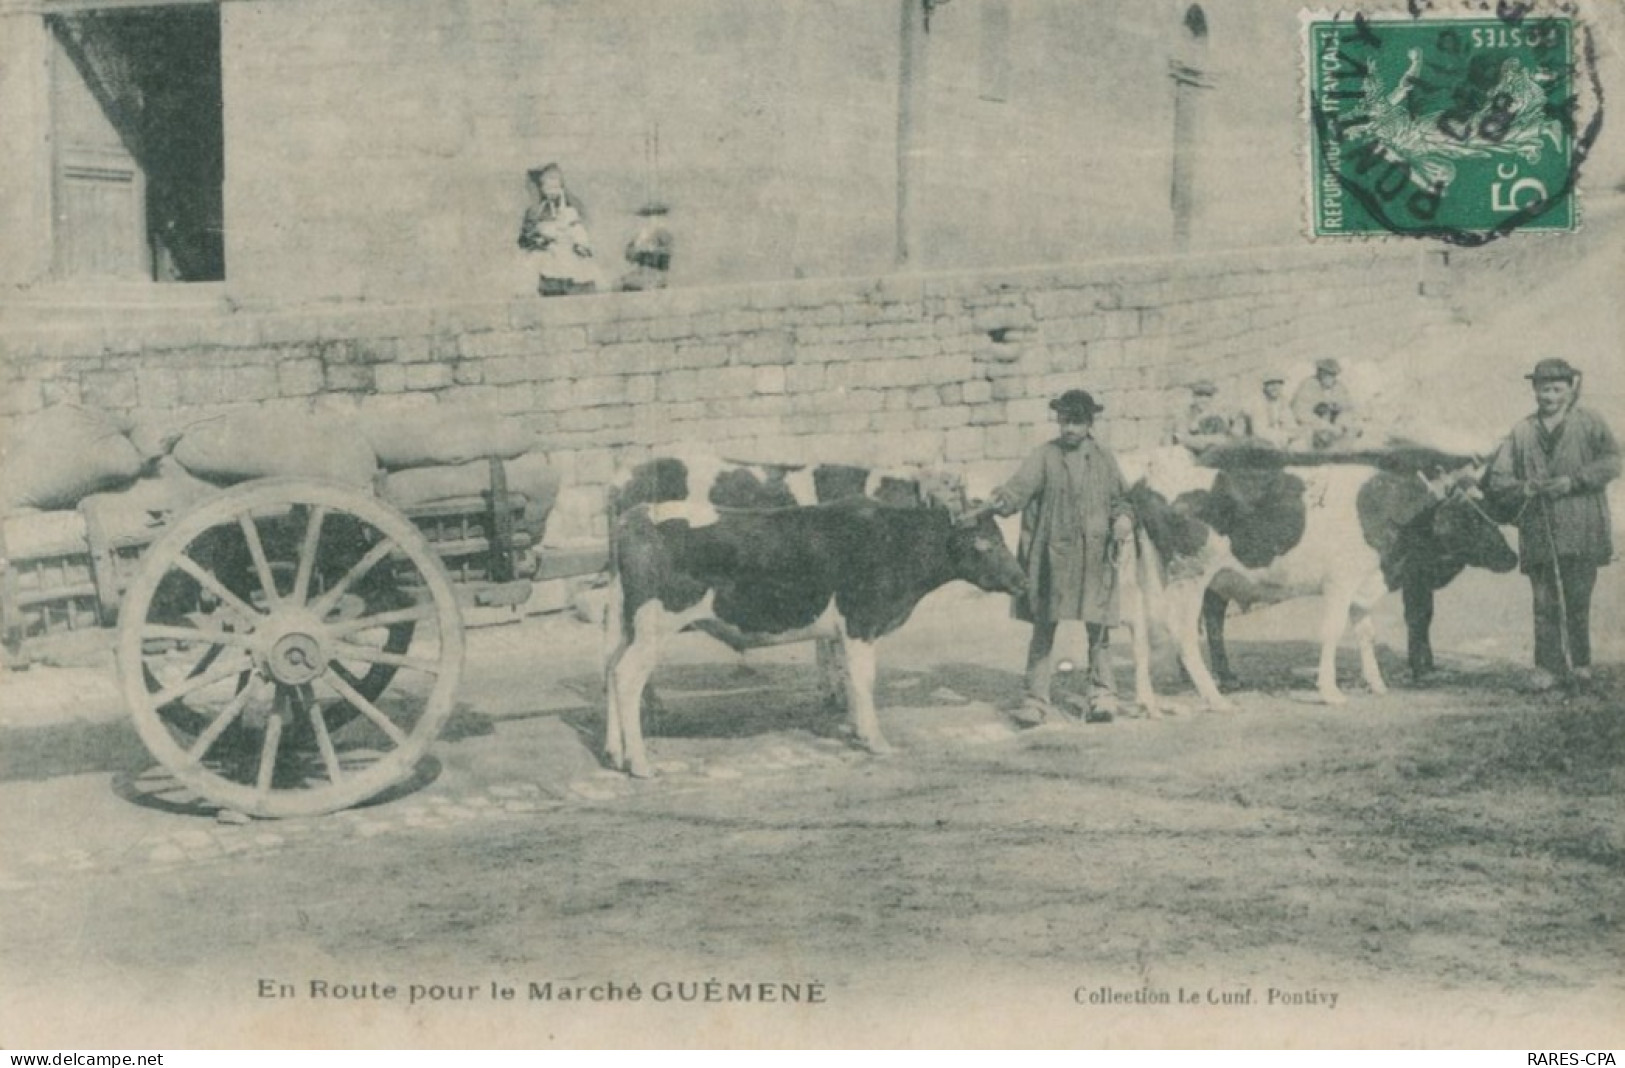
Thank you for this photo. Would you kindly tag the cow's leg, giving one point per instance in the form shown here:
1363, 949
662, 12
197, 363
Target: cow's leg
1339, 600
629, 676
831, 673
1132, 583
1418, 596
1365, 631
1213, 610
860, 692
614, 648
1188, 601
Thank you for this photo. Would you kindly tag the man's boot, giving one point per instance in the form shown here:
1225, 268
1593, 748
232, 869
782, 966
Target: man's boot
1102, 684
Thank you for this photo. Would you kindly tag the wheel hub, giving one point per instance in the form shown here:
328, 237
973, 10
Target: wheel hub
293, 650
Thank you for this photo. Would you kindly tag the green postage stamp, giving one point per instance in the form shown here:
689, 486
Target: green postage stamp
1459, 128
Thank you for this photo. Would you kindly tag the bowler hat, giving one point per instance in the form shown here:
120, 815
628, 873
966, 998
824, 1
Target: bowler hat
1274, 378
1553, 370
1328, 366
1076, 404
1204, 388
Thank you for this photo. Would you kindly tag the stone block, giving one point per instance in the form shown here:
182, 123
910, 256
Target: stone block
976, 391
728, 382
498, 343
1007, 442
389, 378
428, 376
160, 387
700, 355
804, 377
467, 372
682, 385
731, 408
770, 379
951, 393
578, 419
988, 414
1028, 411
965, 443
416, 349
51, 391
891, 422
642, 389
847, 422
553, 395
670, 328
503, 370
345, 377
922, 396
773, 347
299, 378
948, 415
1002, 317
741, 321
606, 389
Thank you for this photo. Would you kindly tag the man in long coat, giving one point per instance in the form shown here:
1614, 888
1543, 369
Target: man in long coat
1071, 497
1553, 470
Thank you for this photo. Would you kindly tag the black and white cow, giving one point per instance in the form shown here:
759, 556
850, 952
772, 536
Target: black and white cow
851, 570
1263, 532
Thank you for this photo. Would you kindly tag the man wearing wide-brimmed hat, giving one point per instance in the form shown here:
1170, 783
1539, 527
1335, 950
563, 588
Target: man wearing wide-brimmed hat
1070, 494
1552, 472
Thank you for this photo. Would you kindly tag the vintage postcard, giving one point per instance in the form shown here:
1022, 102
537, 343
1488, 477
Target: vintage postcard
808, 523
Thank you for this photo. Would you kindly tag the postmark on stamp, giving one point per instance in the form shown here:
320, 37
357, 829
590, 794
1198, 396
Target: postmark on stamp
1457, 128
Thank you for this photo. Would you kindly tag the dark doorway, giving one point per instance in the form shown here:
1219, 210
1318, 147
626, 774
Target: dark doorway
140, 144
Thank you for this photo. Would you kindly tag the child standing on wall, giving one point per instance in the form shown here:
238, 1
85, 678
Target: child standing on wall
554, 235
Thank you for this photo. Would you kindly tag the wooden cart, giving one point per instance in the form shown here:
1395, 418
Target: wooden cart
287, 647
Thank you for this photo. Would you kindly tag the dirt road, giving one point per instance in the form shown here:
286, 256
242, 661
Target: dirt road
1447, 862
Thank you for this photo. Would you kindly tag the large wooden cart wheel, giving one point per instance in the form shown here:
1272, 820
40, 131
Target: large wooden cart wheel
290, 648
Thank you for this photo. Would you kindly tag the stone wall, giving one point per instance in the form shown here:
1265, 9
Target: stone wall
953, 367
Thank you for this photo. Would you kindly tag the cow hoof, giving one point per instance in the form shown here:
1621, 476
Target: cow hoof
641, 771
1333, 697
1221, 706
1227, 683
877, 747
1379, 688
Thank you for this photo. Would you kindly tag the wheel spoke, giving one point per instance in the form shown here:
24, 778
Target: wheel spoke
197, 634
211, 734
262, 566
366, 707
218, 588
371, 655
273, 742
196, 682
416, 614
324, 740
307, 555
324, 604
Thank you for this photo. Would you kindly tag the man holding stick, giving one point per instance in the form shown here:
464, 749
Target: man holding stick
1553, 470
